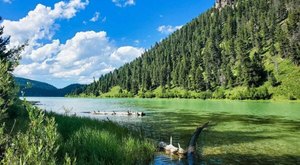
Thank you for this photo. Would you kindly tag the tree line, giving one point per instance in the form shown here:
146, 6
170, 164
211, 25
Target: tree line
222, 48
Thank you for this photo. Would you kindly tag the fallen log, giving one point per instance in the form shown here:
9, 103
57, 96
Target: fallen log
191, 149
34, 102
113, 113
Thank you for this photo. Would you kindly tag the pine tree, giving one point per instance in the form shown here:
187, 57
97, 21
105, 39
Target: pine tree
8, 61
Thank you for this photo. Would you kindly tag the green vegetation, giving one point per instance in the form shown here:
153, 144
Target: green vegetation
29, 136
99, 142
37, 145
238, 93
57, 139
249, 50
117, 91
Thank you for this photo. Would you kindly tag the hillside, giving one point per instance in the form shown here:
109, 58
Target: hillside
37, 88
244, 50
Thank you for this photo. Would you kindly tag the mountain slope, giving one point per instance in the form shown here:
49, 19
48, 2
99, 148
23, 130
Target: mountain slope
247, 50
22, 82
37, 88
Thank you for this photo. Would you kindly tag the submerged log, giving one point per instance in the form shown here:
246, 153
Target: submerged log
113, 113
191, 149
34, 102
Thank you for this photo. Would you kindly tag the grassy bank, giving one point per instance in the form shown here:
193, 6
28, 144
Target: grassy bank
73, 140
101, 142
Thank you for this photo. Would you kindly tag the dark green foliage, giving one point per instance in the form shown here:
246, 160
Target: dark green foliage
273, 80
221, 48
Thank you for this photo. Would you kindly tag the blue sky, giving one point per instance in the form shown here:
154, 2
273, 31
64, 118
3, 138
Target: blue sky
73, 41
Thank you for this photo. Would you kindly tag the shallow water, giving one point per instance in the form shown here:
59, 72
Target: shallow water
241, 132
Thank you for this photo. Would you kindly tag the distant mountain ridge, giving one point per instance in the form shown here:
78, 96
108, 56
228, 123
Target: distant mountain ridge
42, 89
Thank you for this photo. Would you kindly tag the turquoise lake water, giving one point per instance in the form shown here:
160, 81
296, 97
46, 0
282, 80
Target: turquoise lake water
240, 132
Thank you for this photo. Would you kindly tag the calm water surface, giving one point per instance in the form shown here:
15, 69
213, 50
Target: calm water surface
241, 132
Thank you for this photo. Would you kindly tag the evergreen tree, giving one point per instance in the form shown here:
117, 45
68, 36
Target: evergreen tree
215, 49
8, 61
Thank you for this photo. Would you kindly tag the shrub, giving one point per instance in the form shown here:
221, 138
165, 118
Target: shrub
117, 91
38, 145
219, 93
243, 93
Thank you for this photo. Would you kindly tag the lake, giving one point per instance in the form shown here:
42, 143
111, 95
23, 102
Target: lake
240, 132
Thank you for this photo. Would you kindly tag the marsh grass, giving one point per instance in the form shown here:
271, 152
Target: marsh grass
86, 141
101, 142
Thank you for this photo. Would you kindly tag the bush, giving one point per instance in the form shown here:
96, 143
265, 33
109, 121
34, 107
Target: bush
117, 91
205, 95
244, 93
38, 145
219, 93
292, 97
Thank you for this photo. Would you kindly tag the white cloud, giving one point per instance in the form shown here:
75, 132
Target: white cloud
95, 17
40, 23
84, 45
7, 1
45, 52
167, 29
129, 3
88, 54
125, 54
124, 3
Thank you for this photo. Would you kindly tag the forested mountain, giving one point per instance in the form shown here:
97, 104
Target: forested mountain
37, 88
249, 49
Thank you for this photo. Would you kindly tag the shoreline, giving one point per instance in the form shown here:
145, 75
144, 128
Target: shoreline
177, 98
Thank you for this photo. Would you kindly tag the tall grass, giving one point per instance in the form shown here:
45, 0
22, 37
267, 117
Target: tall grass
101, 142
49, 138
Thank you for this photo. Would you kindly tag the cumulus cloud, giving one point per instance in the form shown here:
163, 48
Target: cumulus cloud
167, 29
124, 3
40, 23
125, 54
45, 52
88, 54
95, 17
